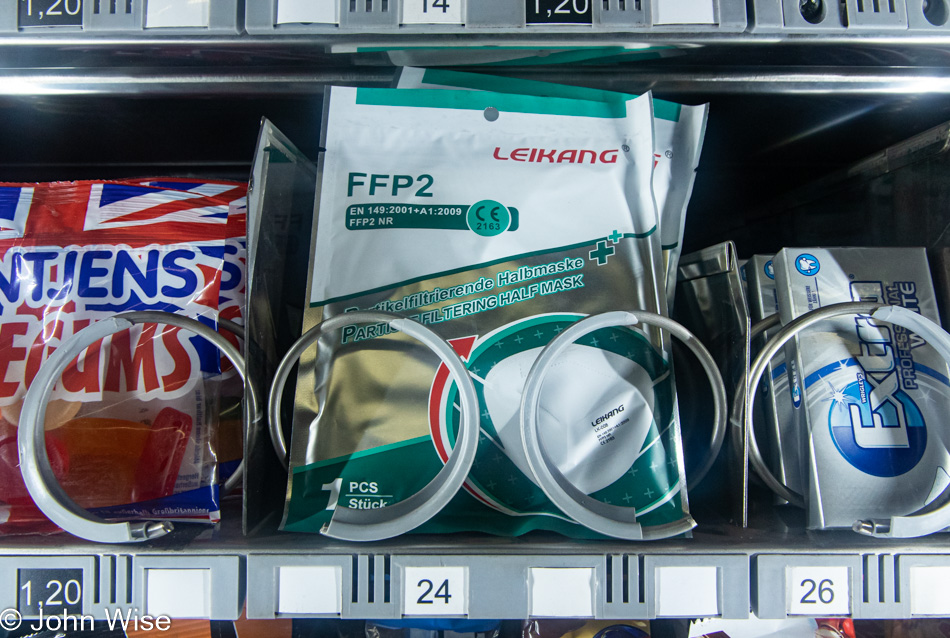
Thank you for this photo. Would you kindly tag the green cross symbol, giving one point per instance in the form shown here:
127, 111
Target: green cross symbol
601, 253
615, 237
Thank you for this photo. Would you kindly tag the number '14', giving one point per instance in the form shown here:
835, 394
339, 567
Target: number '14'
436, 4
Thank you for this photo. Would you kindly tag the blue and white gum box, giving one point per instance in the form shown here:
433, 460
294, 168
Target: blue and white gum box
875, 394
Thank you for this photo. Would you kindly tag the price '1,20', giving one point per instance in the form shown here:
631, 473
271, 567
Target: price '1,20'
559, 12
50, 13
49, 590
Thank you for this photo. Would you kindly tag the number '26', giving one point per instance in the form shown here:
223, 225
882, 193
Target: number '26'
826, 593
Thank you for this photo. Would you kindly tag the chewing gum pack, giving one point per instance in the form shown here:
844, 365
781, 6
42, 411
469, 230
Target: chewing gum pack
875, 395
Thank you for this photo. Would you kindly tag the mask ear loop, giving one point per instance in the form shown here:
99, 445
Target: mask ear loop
619, 522
404, 516
35, 467
929, 519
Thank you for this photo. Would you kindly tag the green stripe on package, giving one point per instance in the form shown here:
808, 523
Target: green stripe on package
497, 223
678, 139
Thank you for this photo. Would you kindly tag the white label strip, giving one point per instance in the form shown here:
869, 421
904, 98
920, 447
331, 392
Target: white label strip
687, 591
818, 591
684, 12
310, 589
432, 11
561, 592
176, 13
435, 591
179, 593
308, 11
930, 590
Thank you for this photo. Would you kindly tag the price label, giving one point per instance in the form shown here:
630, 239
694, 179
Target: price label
561, 592
176, 13
310, 589
929, 594
432, 11
684, 12
687, 591
435, 591
179, 593
55, 591
559, 11
49, 13
819, 591
308, 11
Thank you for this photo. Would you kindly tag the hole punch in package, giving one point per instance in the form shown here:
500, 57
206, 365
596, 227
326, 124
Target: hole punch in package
875, 395
678, 139
130, 427
498, 221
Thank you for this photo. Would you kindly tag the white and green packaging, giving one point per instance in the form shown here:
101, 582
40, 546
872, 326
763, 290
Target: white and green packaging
678, 140
497, 220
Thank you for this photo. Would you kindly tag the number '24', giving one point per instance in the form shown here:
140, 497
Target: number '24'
442, 592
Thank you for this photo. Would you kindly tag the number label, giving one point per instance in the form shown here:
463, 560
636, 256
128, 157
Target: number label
55, 591
561, 592
819, 591
177, 13
310, 589
432, 11
49, 13
308, 11
559, 12
929, 595
435, 591
702, 583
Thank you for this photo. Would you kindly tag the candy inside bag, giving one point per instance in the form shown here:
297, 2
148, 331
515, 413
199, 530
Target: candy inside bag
228, 441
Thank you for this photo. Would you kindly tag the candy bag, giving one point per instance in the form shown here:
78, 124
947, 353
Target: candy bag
228, 440
137, 406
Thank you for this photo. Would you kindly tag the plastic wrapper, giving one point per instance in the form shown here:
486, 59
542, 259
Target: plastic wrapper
564, 628
231, 302
497, 244
874, 394
131, 423
752, 627
781, 413
678, 139
433, 628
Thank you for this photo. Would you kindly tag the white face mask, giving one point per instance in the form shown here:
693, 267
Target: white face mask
596, 411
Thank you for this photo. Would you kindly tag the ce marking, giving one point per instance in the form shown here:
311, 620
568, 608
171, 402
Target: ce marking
494, 214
